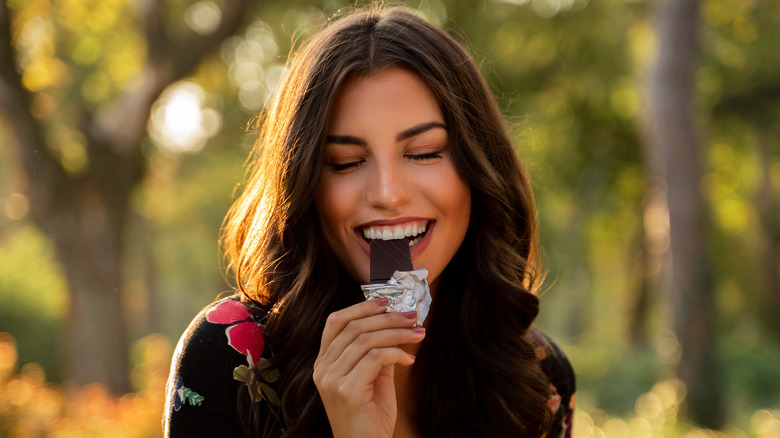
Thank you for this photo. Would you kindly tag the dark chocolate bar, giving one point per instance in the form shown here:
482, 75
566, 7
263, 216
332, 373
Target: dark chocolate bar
388, 256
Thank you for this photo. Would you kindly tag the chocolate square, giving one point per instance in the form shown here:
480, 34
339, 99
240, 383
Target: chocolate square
388, 256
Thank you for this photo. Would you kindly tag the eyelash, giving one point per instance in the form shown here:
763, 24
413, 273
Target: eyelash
417, 157
344, 167
428, 156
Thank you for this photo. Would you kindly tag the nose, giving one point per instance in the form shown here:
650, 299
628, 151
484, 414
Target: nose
388, 187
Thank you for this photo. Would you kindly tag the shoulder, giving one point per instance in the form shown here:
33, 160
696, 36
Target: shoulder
553, 360
204, 384
224, 328
563, 385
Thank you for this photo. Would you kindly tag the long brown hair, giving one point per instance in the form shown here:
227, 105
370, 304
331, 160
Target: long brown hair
476, 356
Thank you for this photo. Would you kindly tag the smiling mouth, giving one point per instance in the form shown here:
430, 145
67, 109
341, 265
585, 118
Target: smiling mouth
412, 231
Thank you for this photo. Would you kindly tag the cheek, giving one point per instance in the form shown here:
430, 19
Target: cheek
454, 194
335, 203
458, 198
461, 199
328, 207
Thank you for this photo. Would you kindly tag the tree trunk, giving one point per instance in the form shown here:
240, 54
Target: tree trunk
88, 241
770, 225
672, 133
640, 306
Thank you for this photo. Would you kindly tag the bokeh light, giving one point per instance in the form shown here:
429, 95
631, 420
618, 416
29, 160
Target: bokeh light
181, 122
16, 206
254, 67
203, 17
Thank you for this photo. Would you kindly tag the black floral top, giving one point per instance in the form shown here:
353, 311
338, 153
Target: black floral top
223, 350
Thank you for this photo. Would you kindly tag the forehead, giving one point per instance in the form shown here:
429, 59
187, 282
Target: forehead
394, 94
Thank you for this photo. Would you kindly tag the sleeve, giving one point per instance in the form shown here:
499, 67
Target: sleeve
202, 395
563, 385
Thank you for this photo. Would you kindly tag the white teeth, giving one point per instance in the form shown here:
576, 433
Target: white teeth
395, 233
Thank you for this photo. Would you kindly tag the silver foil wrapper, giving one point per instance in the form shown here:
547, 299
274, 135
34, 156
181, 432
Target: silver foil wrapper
406, 291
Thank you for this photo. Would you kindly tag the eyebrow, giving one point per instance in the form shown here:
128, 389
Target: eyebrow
408, 133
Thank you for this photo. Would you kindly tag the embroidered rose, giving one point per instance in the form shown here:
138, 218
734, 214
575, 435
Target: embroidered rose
554, 403
245, 335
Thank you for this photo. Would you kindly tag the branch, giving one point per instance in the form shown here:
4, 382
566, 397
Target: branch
157, 43
124, 122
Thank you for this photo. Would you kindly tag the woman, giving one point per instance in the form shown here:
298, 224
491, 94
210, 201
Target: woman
382, 124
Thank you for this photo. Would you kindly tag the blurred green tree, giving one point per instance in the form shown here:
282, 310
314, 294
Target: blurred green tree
78, 81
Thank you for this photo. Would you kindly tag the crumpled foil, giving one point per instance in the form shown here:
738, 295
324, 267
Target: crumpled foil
406, 291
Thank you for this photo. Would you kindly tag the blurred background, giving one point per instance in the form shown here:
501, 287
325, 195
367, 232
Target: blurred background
650, 130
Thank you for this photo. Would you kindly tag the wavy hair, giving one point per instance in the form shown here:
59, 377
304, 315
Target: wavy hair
476, 356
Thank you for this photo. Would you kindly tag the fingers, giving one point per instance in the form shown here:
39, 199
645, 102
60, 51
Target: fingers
375, 330
371, 346
365, 372
355, 366
352, 382
364, 333
337, 321
373, 362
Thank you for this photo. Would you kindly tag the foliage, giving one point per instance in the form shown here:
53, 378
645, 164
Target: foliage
32, 407
33, 295
569, 77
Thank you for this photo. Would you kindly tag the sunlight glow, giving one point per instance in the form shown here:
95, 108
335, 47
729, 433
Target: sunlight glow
182, 114
180, 122
764, 423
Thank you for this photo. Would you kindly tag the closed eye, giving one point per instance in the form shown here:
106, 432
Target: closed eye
344, 167
428, 156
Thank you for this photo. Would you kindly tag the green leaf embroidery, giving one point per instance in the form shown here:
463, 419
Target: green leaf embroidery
272, 375
267, 371
257, 380
242, 373
188, 395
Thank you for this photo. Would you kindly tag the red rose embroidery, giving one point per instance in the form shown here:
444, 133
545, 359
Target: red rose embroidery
245, 335
555, 400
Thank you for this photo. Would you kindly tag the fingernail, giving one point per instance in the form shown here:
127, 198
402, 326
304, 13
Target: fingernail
419, 330
412, 356
410, 315
382, 301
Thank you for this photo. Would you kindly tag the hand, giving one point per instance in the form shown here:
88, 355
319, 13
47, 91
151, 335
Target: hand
354, 371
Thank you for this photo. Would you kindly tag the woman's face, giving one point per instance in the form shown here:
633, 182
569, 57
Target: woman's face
389, 171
